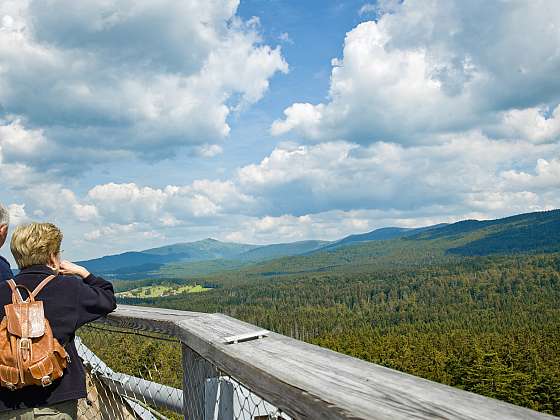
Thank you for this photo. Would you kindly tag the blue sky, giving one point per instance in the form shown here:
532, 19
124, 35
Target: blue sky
136, 124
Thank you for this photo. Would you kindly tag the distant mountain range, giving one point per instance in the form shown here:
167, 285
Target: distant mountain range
141, 262
382, 234
531, 232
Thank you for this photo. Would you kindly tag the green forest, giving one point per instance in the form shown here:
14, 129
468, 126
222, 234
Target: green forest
489, 324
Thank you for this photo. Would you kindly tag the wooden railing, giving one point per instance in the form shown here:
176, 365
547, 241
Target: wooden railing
300, 379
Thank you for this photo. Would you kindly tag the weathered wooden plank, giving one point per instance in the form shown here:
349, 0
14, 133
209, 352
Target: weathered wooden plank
308, 381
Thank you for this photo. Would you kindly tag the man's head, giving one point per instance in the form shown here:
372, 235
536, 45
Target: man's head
4, 222
36, 244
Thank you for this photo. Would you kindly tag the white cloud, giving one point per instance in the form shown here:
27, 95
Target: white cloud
367, 8
167, 206
546, 176
289, 228
110, 231
17, 214
18, 143
209, 150
505, 202
436, 67
306, 118
454, 173
133, 77
380, 8
285, 37
85, 212
56, 202
533, 124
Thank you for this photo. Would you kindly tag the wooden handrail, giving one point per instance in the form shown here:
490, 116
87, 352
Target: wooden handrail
307, 381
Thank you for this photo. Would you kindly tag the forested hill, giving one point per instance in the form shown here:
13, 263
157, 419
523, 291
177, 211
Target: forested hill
526, 233
534, 232
135, 262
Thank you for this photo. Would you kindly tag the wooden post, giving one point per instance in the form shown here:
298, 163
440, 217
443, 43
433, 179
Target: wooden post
196, 370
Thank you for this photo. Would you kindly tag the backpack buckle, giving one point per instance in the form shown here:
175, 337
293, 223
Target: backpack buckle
25, 344
46, 381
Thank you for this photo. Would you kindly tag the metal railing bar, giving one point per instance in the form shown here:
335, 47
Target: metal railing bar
132, 332
159, 395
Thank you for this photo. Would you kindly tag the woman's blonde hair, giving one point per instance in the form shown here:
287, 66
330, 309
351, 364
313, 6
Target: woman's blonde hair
35, 243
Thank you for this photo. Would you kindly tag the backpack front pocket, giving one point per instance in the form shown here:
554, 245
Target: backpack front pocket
42, 370
9, 376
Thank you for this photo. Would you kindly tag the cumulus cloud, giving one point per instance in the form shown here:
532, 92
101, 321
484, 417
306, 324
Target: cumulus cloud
133, 76
209, 150
168, 206
58, 203
17, 214
289, 228
546, 176
425, 68
534, 124
114, 231
17, 143
346, 176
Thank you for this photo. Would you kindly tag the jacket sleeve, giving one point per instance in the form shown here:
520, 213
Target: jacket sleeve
96, 298
5, 270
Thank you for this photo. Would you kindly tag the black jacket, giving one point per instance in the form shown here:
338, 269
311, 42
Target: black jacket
5, 270
69, 303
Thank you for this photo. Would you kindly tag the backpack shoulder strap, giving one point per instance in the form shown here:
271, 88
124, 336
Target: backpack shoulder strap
40, 286
15, 290
12, 284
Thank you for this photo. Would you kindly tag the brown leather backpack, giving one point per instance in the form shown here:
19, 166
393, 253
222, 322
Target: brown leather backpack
29, 354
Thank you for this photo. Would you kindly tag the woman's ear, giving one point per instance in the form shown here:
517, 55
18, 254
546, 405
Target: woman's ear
3, 234
54, 262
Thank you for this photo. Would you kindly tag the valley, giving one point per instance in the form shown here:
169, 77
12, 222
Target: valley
473, 304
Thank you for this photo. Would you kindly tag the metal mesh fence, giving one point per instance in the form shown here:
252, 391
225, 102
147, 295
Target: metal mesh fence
211, 394
130, 375
134, 374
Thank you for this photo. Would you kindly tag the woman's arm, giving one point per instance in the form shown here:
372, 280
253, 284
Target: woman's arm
96, 297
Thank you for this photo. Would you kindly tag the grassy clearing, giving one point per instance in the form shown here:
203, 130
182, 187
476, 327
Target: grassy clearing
161, 291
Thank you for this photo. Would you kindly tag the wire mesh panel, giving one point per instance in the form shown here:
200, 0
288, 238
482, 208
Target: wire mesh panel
211, 394
130, 374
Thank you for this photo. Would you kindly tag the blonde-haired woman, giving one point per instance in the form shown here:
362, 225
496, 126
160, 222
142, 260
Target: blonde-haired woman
73, 298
